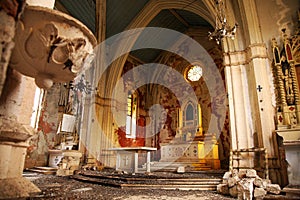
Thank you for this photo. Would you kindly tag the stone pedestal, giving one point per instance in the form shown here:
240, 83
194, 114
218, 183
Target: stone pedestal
13, 147
291, 142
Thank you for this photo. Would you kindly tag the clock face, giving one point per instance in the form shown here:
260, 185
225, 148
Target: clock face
194, 73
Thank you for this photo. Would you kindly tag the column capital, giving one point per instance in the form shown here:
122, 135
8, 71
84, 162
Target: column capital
245, 56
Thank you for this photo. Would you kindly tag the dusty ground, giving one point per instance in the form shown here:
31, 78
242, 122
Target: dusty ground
54, 187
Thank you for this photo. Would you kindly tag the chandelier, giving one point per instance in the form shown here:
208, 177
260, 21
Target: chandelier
222, 28
82, 85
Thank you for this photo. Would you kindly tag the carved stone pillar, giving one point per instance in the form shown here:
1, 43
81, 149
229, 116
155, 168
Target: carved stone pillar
50, 46
237, 96
13, 146
13, 135
15, 132
249, 91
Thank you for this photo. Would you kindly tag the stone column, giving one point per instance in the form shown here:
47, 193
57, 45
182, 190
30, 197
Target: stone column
93, 140
263, 106
16, 104
238, 97
17, 101
16, 107
250, 85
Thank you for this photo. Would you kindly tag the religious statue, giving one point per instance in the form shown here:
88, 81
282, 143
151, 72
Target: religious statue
287, 79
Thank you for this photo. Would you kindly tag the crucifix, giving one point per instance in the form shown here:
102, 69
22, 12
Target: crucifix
126, 160
259, 88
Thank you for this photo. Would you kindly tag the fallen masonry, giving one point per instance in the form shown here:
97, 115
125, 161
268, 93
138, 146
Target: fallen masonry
246, 184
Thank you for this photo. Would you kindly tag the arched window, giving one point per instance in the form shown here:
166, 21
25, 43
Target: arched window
190, 118
189, 115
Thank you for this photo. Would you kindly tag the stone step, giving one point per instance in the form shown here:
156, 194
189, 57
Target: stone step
165, 180
132, 182
292, 192
44, 170
170, 187
166, 166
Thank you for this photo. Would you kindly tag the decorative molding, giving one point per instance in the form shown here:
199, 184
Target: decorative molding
285, 80
246, 56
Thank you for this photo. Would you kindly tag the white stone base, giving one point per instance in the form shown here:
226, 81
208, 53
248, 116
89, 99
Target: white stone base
291, 142
196, 154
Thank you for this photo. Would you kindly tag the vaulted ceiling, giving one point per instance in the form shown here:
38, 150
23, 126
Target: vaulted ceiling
120, 13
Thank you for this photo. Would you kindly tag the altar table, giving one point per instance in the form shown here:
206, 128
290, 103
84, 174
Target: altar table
133, 151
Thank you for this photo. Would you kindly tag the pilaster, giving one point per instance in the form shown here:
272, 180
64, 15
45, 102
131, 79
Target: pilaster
238, 96
250, 98
253, 61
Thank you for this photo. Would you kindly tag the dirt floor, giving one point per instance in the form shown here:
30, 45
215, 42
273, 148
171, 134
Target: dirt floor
55, 187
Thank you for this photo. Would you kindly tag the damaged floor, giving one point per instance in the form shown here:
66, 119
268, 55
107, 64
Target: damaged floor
55, 187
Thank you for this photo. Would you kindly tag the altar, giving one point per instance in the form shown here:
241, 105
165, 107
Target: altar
127, 158
198, 155
191, 147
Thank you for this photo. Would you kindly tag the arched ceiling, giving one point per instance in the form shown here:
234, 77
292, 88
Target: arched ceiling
121, 13
179, 20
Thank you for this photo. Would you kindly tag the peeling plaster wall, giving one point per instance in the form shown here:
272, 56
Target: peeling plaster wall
37, 152
17, 97
274, 15
164, 96
169, 101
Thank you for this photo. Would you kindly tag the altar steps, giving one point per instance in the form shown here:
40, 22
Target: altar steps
172, 167
140, 181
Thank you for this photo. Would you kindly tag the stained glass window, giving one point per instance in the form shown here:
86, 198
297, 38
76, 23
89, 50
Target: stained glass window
194, 73
131, 115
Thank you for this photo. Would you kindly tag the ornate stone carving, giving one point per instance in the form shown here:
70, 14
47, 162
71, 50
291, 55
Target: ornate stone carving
288, 102
50, 46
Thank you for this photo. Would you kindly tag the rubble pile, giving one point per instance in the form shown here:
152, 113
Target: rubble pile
246, 184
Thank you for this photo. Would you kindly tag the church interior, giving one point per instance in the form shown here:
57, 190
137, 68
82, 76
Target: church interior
146, 86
